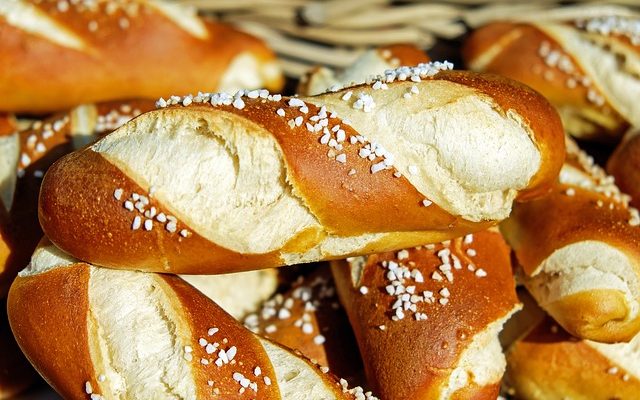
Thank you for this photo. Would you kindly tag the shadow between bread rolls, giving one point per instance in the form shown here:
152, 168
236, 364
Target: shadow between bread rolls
124, 334
214, 183
579, 250
427, 319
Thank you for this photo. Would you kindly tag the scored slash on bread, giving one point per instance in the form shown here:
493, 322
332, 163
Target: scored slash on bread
587, 68
427, 319
114, 50
579, 249
124, 334
257, 180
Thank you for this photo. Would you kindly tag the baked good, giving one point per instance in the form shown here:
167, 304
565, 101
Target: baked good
624, 166
588, 68
239, 293
25, 157
579, 249
427, 319
61, 53
215, 184
16, 374
110, 334
371, 63
551, 364
308, 317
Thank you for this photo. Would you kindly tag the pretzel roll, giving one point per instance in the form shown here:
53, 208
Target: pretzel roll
551, 364
123, 334
238, 294
371, 63
589, 69
308, 318
215, 184
60, 53
427, 319
624, 165
579, 249
24, 158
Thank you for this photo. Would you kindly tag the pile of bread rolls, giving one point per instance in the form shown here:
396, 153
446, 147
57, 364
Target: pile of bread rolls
171, 226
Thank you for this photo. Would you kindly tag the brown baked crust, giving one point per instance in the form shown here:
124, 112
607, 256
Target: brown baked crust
404, 54
624, 165
71, 198
328, 339
147, 59
550, 363
398, 370
518, 56
49, 320
16, 374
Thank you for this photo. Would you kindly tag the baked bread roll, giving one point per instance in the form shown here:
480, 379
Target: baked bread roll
589, 69
240, 293
16, 374
371, 63
579, 249
122, 334
216, 184
24, 158
308, 318
427, 319
61, 53
551, 364
624, 166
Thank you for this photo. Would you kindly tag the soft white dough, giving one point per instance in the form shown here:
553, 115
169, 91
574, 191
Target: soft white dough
9, 153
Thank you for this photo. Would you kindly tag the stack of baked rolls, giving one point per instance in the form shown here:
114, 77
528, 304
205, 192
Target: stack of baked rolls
217, 183
79, 69
588, 68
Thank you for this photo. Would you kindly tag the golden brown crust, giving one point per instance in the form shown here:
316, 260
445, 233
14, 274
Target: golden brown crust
549, 363
399, 370
624, 165
146, 59
521, 52
404, 54
49, 320
16, 374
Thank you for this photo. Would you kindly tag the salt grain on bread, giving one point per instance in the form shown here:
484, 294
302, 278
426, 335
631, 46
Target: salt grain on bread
254, 180
579, 249
551, 364
624, 166
97, 51
587, 68
137, 335
428, 325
